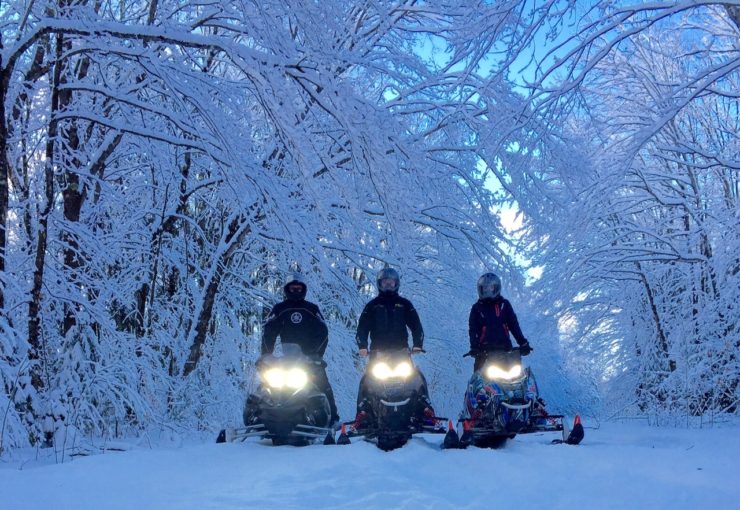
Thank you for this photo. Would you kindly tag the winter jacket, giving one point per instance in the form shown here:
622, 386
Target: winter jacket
296, 322
491, 320
385, 319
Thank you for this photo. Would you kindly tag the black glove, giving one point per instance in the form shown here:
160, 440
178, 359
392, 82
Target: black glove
472, 353
525, 349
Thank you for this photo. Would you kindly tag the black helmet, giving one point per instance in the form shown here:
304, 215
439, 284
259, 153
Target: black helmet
295, 288
489, 286
386, 287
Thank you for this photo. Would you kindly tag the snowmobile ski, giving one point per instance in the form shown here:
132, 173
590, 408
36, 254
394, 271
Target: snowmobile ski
572, 436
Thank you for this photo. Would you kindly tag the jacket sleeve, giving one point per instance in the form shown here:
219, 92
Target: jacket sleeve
474, 329
414, 324
363, 328
323, 332
513, 323
271, 330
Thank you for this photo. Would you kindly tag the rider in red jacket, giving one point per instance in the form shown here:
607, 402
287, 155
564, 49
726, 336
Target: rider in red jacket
492, 322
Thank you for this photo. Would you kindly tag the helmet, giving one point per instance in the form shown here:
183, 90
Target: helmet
295, 288
489, 286
388, 281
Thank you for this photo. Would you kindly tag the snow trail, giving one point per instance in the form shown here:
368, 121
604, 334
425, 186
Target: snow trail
618, 466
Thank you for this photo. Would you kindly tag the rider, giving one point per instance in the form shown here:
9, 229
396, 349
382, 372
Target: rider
386, 319
298, 321
491, 320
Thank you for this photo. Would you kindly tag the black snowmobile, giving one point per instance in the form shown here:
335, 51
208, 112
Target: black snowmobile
287, 407
501, 401
393, 405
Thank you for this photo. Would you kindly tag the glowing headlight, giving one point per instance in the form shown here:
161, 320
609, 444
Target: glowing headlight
494, 372
403, 370
382, 371
275, 377
294, 378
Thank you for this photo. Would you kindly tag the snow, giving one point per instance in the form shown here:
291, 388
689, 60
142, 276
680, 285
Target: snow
619, 465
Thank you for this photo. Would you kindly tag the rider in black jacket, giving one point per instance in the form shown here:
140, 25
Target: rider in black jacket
298, 321
491, 321
386, 319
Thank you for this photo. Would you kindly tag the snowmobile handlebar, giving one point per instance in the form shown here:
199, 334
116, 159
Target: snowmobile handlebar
409, 351
473, 353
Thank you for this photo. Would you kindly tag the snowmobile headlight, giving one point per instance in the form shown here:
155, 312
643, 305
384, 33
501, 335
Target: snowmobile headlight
382, 371
494, 372
403, 370
295, 378
275, 377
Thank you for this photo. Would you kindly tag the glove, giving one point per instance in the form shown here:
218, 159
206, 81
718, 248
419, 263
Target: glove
363, 353
472, 353
525, 349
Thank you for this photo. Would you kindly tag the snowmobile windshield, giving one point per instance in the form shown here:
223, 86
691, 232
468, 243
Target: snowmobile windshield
504, 359
503, 365
394, 364
393, 355
287, 371
292, 351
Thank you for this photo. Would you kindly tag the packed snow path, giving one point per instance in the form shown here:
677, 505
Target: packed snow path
618, 466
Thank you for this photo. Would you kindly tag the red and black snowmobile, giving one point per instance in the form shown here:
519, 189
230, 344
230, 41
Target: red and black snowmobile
394, 406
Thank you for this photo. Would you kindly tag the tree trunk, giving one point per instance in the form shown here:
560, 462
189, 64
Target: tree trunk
238, 229
34, 306
4, 171
35, 341
19, 122
662, 340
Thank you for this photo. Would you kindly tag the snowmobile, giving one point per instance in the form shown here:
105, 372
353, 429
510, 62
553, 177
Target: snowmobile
501, 401
393, 407
287, 407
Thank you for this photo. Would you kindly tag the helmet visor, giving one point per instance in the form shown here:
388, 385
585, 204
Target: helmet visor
387, 284
489, 286
295, 290
490, 289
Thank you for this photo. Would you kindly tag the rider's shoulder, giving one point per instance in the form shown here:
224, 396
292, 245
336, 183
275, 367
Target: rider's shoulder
311, 306
374, 301
279, 307
479, 305
505, 301
405, 302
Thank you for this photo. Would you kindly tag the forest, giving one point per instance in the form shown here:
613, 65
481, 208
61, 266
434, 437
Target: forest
165, 165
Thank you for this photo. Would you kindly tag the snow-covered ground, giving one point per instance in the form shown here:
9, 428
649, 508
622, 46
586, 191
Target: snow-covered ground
618, 466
